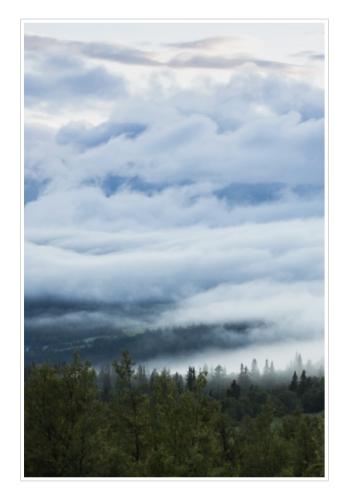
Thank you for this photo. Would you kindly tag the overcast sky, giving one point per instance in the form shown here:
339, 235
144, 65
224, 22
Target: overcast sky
181, 164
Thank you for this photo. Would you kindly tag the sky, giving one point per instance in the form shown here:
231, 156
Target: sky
179, 167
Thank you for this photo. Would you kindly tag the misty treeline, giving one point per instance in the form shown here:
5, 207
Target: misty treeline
124, 422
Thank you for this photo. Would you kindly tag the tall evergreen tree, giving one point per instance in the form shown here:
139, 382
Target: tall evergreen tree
255, 373
234, 390
191, 379
294, 383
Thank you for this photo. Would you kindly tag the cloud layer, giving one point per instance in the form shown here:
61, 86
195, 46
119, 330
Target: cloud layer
205, 197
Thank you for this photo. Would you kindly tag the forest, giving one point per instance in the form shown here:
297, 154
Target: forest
121, 421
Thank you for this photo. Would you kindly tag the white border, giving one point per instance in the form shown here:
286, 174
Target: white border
11, 486
177, 21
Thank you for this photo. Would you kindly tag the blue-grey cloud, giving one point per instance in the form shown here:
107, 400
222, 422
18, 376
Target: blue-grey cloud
204, 43
115, 53
55, 89
249, 96
131, 56
84, 137
209, 199
309, 54
93, 50
33, 188
256, 130
267, 149
219, 62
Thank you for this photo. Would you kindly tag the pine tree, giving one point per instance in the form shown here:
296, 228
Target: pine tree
234, 390
304, 383
298, 363
266, 369
191, 379
254, 369
130, 412
294, 383
61, 418
106, 388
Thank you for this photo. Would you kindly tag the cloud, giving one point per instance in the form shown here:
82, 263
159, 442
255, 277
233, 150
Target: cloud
191, 148
181, 206
84, 137
77, 86
252, 129
218, 62
309, 54
93, 50
289, 308
205, 43
203, 203
134, 56
93, 206
249, 96
161, 264
266, 276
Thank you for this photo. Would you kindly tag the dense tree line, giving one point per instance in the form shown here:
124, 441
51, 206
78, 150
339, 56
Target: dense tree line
107, 343
123, 422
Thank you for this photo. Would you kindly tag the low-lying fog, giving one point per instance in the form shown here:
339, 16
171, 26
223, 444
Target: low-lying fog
281, 353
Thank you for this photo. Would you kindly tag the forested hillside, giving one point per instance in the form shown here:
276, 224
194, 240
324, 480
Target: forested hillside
123, 422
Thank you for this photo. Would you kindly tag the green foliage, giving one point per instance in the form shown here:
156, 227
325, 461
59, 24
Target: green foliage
61, 413
125, 423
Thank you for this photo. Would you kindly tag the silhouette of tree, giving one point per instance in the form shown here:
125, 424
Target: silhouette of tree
266, 369
234, 390
298, 363
294, 383
255, 373
191, 379
304, 383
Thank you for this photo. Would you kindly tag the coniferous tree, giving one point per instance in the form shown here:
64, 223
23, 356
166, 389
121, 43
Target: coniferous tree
294, 383
298, 363
255, 373
191, 379
106, 389
61, 420
234, 390
266, 369
154, 425
130, 412
243, 378
304, 383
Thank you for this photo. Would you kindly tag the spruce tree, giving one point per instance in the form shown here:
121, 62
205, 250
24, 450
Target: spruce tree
294, 383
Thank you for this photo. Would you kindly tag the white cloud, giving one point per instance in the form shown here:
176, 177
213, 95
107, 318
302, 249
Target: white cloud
169, 264
295, 308
253, 129
133, 208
